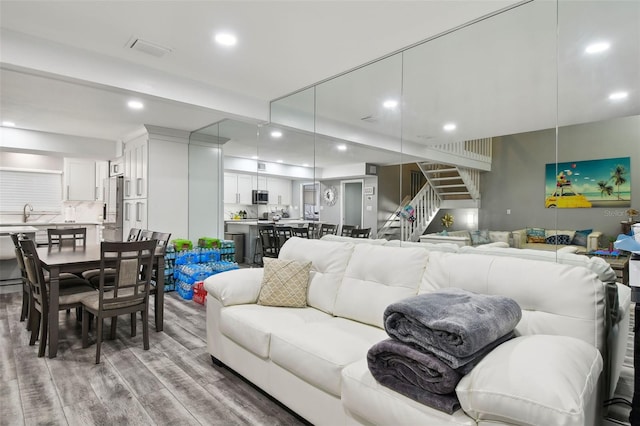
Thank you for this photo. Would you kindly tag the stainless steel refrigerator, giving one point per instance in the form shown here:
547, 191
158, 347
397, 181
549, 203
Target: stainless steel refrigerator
114, 205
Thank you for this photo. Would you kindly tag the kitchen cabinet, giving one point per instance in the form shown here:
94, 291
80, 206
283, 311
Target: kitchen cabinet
135, 168
79, 179
134, 215
237, 188
102, 174
279, 191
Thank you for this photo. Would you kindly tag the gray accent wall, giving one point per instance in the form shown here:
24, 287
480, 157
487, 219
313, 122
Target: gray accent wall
516, 181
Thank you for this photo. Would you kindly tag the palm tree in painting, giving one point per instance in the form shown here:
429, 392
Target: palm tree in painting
604, 188
617, 176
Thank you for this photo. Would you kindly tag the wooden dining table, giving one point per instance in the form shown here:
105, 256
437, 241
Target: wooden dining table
57, 260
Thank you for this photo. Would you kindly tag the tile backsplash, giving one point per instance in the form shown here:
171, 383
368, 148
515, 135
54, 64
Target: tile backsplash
82, 211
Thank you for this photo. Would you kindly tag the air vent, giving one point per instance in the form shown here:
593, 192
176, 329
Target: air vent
262, 167
149, 48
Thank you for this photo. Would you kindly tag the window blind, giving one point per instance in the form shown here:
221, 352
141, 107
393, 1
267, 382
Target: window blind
41, 189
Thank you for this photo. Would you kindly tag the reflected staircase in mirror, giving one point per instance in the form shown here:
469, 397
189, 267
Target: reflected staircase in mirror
453, 181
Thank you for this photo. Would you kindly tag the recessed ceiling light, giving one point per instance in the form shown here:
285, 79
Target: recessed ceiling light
276, 134
279, 161
254, 157
8, 124
390, 104
449, 127
597, 47
617, 96
135, 104
342, 147
226, 39
305, 164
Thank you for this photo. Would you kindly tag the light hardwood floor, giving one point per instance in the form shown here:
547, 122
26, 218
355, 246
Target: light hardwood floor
173, 383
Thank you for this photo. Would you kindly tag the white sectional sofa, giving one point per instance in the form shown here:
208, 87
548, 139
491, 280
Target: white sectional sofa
313, 359
468, 238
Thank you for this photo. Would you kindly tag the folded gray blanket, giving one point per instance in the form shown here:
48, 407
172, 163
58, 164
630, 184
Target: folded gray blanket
457, 325
415, 374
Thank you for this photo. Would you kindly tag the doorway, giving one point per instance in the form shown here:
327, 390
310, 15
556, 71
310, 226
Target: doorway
352, 202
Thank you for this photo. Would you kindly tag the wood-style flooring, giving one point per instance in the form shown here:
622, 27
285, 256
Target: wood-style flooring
173, 383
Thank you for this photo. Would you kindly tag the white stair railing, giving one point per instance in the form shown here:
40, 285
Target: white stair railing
471, 178
426, 204
392, 218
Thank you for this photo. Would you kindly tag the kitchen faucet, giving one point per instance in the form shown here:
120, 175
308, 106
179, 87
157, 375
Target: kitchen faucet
25, 214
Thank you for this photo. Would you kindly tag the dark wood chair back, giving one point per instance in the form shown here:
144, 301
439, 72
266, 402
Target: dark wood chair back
361, 233
145, 235
26, 291
134, 233
268, 240
301, 231
327, 228
67, 237
314, 229
345, 231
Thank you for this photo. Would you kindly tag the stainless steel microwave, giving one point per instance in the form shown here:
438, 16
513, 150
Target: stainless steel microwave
259, 197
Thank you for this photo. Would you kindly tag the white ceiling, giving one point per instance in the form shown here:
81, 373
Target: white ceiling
283, 46
65, 66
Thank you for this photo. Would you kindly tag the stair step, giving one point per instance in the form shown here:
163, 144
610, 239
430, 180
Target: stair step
446, 178
458, 185
453, 169
454, 193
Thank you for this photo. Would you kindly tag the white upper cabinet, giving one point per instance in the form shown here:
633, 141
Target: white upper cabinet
237, 188
135, 168
79, 180
279, 191
102, 174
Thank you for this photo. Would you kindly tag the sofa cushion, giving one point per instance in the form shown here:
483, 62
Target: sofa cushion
560, 239
480, 237
251, 326
500, 236
536, 235
318, 351
372, 403
539, 380
551, 232
595, 264
284, 283
555, 299
328, 263
440, 246
377, 276
581, 236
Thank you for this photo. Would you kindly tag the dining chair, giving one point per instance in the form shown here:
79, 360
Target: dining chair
361, 233
162, 239
284, 233
314, 229
145, 235
133, 234
301, 231
70, 296
24, 312
71, 237
327, 228
345, 231
128, 294
268, 239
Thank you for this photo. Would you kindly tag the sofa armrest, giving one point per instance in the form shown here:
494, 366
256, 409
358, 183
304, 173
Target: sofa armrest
593, 240
235, 287
549, 380
519, 238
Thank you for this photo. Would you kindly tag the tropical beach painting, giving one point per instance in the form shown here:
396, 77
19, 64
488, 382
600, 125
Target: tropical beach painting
591, 183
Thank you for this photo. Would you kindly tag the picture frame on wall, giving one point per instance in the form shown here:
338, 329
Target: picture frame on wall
590, 183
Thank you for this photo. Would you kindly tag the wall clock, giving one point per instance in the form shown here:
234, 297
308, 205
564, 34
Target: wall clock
329, 196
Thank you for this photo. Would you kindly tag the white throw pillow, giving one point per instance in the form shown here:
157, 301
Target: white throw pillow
537, 380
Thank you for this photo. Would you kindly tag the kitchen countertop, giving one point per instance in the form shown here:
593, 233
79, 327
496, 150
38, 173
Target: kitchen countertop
256, 221
5, 224
5, 230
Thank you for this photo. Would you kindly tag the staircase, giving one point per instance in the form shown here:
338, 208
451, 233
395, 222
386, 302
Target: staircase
453, 183
449, 185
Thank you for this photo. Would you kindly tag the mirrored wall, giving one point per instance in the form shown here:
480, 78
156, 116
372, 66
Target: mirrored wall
485, 113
